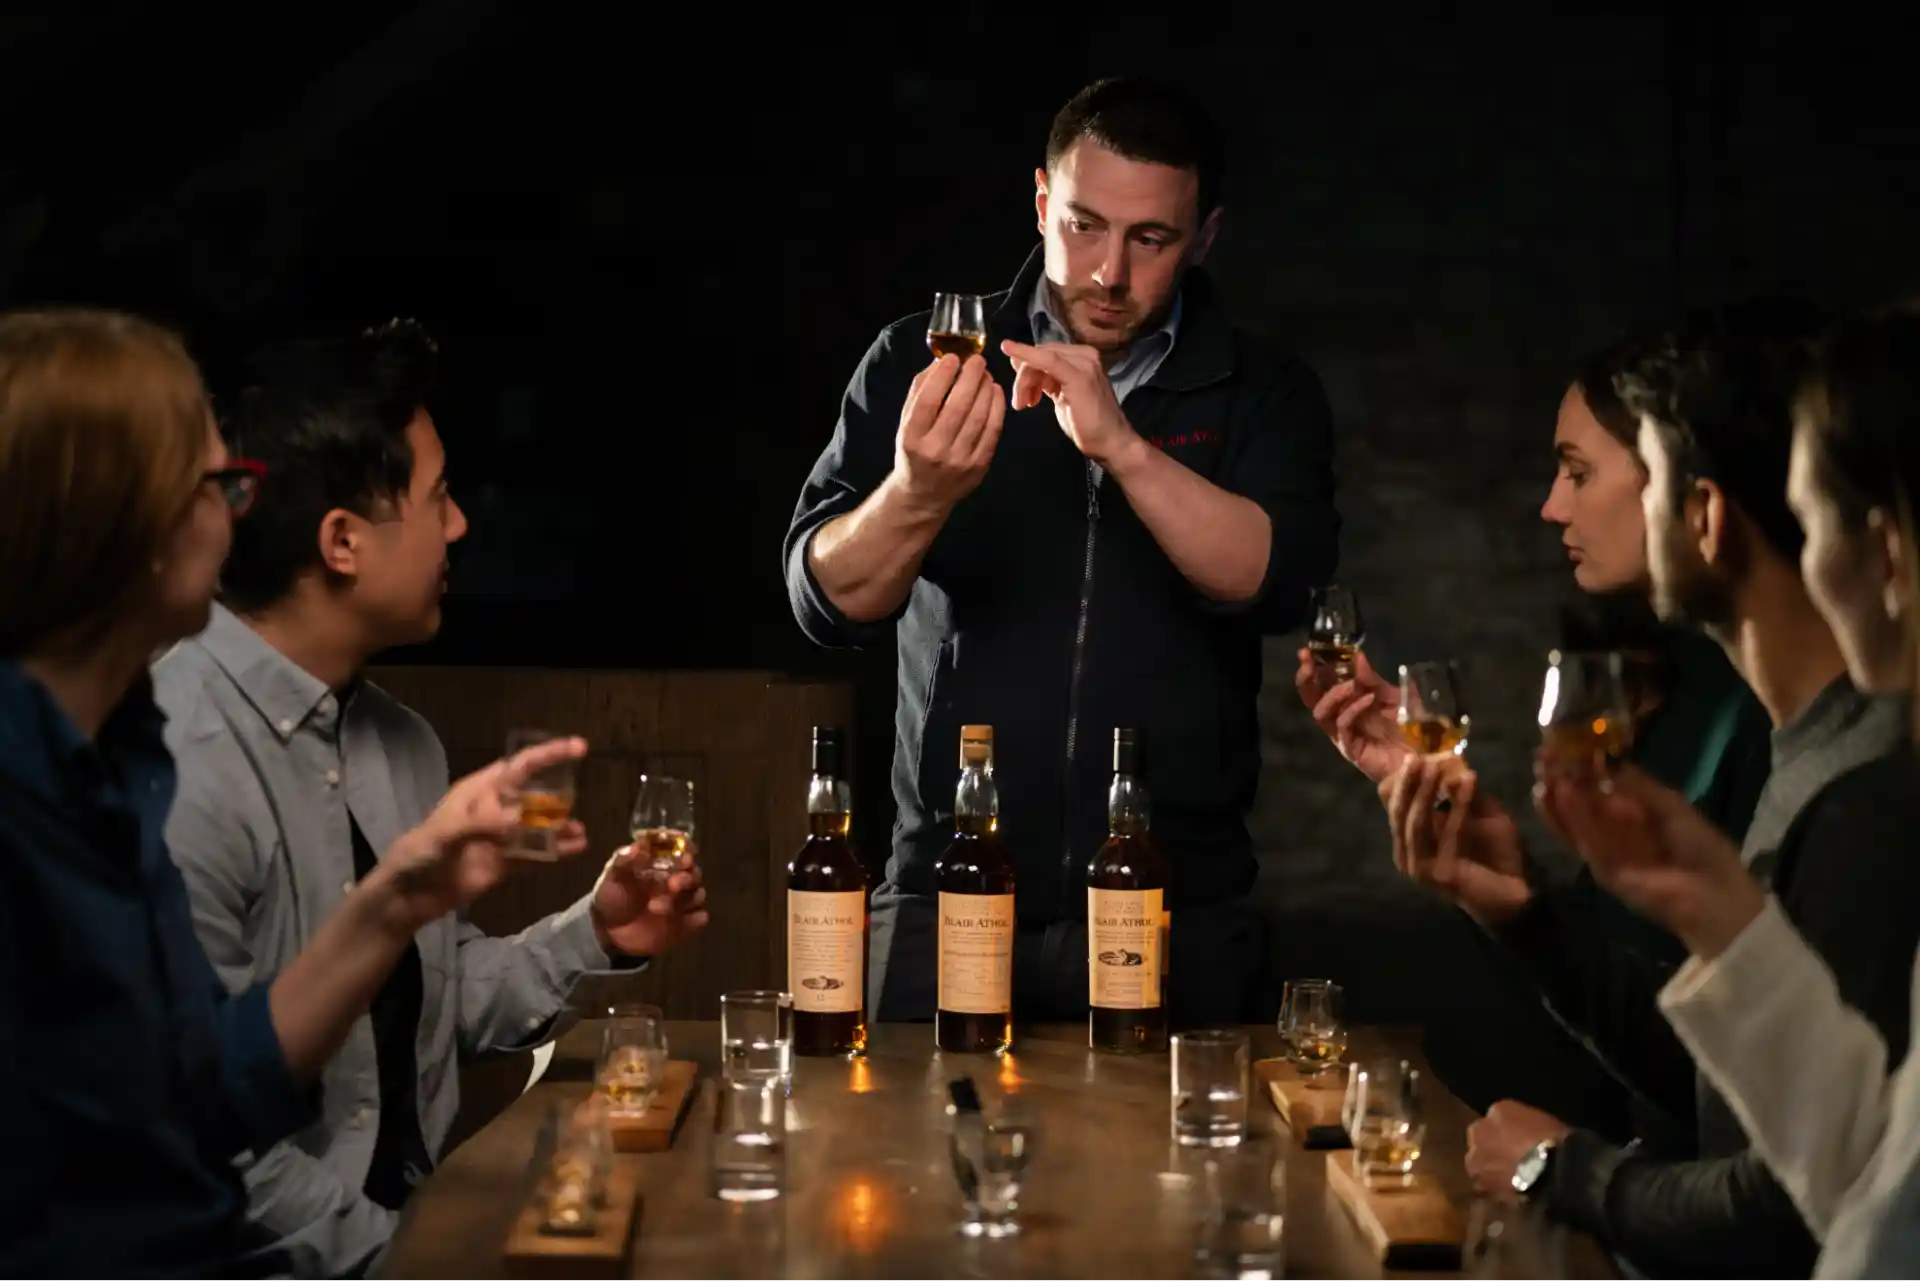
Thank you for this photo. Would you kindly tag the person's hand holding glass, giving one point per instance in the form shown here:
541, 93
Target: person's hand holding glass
1456, 839
1353, 704
950, 423
1650, 847
651, 893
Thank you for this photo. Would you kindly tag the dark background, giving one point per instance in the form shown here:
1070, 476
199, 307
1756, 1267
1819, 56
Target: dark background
653, 249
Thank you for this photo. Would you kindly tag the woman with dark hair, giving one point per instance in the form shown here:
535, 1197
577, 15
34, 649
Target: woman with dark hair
130, 1081
1700, 730
1812, 1080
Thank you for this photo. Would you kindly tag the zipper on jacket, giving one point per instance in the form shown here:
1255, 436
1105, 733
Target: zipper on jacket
1073, 680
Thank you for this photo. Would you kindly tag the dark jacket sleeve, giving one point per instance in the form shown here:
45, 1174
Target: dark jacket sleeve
1280, 455
1726, 1217
851, 467
1847, 879
1604, 992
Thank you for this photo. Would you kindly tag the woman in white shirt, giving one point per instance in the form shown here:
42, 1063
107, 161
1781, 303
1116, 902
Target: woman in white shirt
1760, 1012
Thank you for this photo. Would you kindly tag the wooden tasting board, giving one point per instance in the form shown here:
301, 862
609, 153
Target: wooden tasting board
654, 1132
1310, 1107
1408, 1228
533, 1253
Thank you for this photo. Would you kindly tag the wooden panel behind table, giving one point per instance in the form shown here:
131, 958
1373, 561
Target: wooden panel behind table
742, 736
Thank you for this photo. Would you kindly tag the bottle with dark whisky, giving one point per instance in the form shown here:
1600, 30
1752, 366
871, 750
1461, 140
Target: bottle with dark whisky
1126, 917
975, 879
827, 914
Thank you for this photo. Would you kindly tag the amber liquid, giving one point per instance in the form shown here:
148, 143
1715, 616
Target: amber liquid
976, 863
1129, 861
1432, 735
1595, 743
961, 345
627, 1081
542, 811
662, 847
1333, 660
829, 864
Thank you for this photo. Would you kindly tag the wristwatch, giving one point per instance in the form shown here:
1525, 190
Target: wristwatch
1531, 1173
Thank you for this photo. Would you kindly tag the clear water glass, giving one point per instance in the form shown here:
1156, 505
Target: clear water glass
756, 1036
1243, 1209
749, 1140
991, 1149
1209, 1088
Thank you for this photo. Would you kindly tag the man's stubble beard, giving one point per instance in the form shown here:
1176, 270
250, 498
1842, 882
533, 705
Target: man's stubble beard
1693, 593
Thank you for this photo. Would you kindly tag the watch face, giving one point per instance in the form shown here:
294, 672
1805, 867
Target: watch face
1532, 1166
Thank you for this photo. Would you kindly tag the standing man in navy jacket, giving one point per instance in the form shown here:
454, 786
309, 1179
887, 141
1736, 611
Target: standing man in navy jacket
1103, 545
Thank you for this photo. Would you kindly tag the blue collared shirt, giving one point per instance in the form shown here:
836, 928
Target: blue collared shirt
129, 1079
1137, 363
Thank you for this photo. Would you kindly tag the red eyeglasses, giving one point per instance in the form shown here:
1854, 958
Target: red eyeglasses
239, 483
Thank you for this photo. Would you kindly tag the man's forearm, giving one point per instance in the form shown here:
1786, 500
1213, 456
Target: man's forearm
317, 998
1219, 541
866, 561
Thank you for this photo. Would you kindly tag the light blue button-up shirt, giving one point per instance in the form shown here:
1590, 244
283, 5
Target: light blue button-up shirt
1137, 363
274, 768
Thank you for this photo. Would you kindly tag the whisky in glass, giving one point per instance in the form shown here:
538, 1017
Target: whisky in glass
827, 914
1126, 917
1586, 719
958, 326
1387, 1129
1433, 714
662, 824
975, 930
1335, 633
546, 800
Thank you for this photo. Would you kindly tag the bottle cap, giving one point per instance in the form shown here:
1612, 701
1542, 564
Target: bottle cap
976, 745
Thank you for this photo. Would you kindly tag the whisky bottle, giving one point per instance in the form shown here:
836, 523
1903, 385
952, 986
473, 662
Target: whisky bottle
1126, 917
975, 880
827, 914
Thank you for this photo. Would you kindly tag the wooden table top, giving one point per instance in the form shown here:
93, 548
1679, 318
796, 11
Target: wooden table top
870, 1188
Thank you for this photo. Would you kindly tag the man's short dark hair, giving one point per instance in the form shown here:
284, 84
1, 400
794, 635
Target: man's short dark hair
1720, 389
1146, 121
1597, 382
329, 419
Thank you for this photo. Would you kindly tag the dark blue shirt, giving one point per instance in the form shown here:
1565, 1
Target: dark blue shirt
130, 1080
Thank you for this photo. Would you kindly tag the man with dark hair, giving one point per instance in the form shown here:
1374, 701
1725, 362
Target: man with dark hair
1828, 833
293, 770
1111, 559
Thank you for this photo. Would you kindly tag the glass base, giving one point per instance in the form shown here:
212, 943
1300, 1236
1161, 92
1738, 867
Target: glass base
747, 1194
535, 844
990, 1229
1194, 1140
